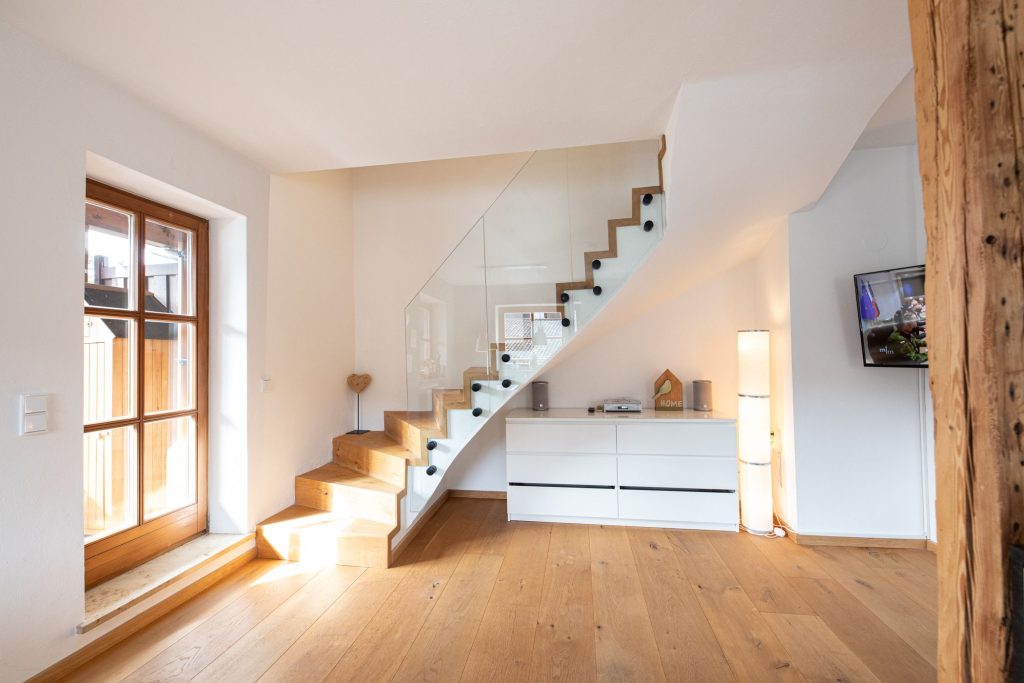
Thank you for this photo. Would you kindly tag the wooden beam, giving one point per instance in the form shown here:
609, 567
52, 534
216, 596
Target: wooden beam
968, 68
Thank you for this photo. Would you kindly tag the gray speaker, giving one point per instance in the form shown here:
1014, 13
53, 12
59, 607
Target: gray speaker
540, 394
702, 394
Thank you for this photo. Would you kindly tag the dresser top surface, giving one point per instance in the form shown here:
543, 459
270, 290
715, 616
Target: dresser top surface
581, 415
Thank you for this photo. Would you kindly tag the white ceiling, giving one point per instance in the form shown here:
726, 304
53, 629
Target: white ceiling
315, 84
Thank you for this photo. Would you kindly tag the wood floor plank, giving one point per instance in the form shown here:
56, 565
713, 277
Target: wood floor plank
378, 651
753, 651
902, 567
192, 653
441, 648
867, 636
564, 643
900, 612
133, 652
321, 646
503, 646
789, 559
765, 586
624, 637
687, 646
475, 597
818, 654
256, 651
495, 532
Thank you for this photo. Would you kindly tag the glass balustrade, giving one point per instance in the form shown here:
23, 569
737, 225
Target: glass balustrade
557, 244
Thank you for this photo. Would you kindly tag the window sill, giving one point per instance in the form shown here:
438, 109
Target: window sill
111, 598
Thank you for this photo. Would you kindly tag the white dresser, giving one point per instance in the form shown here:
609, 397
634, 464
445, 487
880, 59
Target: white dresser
660, 469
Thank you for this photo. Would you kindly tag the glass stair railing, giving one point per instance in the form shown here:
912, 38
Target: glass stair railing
558, 243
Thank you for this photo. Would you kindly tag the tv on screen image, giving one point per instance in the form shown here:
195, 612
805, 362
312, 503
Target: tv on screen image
891, 307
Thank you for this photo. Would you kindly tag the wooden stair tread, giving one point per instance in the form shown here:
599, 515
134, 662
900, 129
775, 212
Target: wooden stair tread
378, 441
302, 519
333, 473
421, 419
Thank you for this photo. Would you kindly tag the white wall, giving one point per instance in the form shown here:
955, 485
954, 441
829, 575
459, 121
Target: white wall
407, 219
773, 296
860, 448
54, 113
693, 335
310, 318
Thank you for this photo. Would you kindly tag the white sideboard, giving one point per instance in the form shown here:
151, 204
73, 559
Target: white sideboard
660, 469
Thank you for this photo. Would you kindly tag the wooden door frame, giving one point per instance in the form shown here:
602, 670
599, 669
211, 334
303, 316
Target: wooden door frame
118, 552
968, 64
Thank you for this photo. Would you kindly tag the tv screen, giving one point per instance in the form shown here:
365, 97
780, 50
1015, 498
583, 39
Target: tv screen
891, 309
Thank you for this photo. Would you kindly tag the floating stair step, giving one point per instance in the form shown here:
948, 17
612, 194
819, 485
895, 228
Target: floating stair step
303, 534
374, 453
340, 489
413, 429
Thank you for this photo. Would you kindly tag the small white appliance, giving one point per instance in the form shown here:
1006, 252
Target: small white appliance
622, 405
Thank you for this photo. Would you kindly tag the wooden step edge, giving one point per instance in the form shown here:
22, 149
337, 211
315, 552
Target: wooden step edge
386, 466
411, 437
377, 485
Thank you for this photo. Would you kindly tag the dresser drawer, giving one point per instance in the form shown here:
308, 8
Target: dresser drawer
678, 472
560, 438
561, 469
679, 506
562, 502
706, 438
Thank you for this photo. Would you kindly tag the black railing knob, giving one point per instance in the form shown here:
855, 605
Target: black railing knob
431, 470
431, 445
565, 322
506, 383
648, 198
505, 358
476, 386
597, 290
596, 264
477, 412
564, 297
648, 226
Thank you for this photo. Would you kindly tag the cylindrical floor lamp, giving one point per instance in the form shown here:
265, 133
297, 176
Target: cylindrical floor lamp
754, 424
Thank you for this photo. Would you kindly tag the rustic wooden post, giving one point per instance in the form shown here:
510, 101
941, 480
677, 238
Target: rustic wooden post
968, 67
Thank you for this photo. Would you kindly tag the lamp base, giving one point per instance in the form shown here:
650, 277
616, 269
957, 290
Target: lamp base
359, 431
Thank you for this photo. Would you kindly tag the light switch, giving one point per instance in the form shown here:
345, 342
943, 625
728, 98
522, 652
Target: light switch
36, 423
35, 403
35, 414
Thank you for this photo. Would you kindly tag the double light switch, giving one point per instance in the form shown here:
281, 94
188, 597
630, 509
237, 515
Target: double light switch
35, 414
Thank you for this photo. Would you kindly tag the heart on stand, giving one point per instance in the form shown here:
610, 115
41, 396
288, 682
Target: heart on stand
358, 383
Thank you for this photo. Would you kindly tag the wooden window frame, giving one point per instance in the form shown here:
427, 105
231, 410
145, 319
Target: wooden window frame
111, 555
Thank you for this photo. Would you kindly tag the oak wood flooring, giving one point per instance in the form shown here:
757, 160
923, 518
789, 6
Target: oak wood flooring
477, 598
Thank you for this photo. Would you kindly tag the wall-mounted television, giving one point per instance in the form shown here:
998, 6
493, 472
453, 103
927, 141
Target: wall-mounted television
891, 309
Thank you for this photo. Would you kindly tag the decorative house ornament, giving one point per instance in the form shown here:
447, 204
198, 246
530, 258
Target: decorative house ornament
358, 384
668, 392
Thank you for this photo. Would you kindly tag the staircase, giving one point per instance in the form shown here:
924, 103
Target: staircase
350, 510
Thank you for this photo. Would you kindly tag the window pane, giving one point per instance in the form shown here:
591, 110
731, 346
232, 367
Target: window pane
111, 496
169, 466
169, 366
109, 345
170, 277
108, 257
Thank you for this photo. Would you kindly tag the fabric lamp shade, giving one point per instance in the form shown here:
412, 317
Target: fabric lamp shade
754, 363
756, 498
754, 431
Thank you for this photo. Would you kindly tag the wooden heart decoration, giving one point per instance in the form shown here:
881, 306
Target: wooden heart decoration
358, 383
